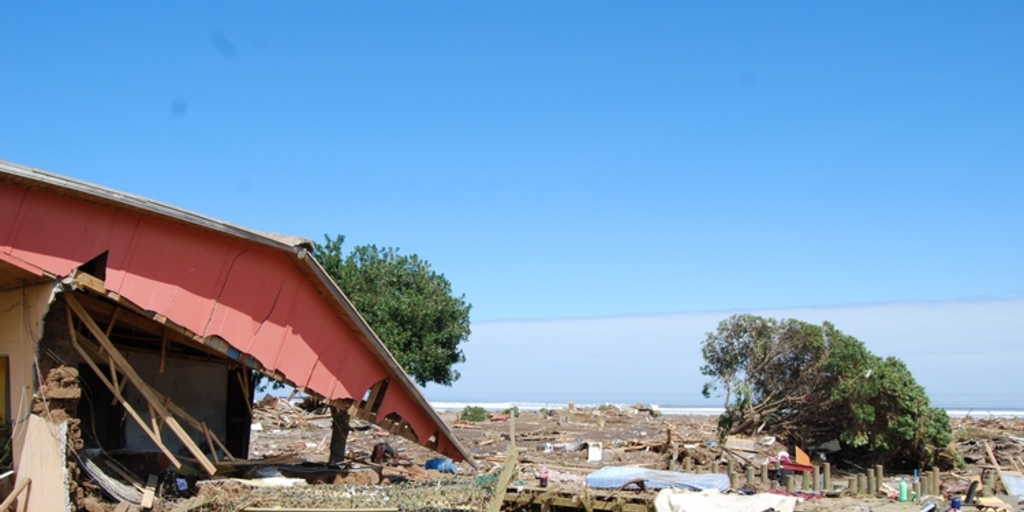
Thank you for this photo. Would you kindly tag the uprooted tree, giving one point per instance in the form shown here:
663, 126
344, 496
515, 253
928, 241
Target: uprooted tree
811, 384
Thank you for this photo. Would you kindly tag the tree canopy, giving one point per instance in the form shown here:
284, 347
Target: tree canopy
812, 383
410, 306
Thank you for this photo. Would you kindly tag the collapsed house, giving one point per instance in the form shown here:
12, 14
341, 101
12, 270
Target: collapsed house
131, 326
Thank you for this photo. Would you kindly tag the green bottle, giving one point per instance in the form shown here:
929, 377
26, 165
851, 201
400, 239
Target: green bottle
903, 489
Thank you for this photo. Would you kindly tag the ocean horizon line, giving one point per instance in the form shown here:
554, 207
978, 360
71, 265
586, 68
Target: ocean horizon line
676, 410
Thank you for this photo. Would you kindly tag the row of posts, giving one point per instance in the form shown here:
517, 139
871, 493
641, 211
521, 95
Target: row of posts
820, 479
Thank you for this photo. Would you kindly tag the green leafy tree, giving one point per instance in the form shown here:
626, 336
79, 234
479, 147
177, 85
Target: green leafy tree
811, 384
409, 306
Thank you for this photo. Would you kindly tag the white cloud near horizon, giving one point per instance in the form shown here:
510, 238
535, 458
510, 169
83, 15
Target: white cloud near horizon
966, 353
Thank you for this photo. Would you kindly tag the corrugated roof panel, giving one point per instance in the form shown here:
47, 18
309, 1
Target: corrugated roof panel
58, 235
398, 401
11, 198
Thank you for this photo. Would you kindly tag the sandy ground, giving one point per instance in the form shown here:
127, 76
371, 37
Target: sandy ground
558, 441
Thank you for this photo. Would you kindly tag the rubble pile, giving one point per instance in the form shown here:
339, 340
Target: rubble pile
1005, 436
561, 448
232, 496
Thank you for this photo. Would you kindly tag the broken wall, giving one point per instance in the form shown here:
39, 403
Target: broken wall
199, 387
21, 326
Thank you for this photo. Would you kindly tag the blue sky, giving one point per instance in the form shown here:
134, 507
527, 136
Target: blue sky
562, 161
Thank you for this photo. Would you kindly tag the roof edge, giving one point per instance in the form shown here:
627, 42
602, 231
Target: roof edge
376, 342
61, 184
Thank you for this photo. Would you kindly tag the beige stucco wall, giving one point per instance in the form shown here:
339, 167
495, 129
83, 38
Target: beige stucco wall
21, 326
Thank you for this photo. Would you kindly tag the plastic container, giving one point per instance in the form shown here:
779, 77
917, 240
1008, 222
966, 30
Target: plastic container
903, 489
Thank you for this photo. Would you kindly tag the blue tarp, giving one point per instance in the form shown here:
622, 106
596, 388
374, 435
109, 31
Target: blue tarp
613, 477
1014, 484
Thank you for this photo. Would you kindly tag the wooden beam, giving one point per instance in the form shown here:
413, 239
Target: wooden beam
999, 471
376, 394
163, 348
209, 442
503, 480
243, 381
140, 384
149, 494
14, 494
113, 320
134, 317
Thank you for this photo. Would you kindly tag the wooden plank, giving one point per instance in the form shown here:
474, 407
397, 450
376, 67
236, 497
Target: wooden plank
113, 321
140, 384
244, 382
375, 392
163, 349
209, 442
149, 494
22, 485
999, 471
503, 480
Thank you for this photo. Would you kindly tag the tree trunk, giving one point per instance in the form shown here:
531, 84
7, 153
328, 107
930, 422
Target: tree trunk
339, 435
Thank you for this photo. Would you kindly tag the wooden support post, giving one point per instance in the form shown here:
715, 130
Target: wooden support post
340, 428
805, 484
734, 481
989, 487
855, 485
730, 467
816, 479
828, 475
750, 475
688, 465
163, 349
936, 481
139, 383
764, 474
671, 448
879, 477
790, 484
871, 488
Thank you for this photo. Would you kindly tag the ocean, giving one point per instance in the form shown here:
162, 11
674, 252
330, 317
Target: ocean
681, 410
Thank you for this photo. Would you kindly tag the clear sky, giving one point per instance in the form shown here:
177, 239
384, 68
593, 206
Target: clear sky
566, 160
